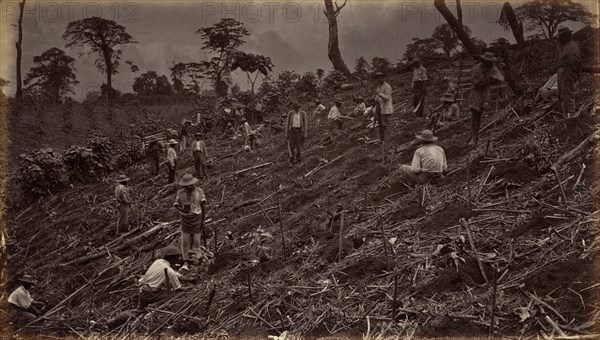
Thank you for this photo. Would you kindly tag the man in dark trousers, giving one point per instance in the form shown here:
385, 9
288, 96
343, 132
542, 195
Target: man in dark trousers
419, 86
200, 156
20, 302
295, 132
568, 69
154, 155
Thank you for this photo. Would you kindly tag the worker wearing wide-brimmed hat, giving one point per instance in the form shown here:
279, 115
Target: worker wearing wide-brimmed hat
385, 107
123, 197
483, 75
171, 160
568, 69
450, 110
191, 204
360, 108
20, 302
419, 87
200, 155
429, 161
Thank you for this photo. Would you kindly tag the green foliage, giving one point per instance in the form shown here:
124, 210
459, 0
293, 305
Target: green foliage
53, 74
251, 63
41, 171
129, 154
380, 64
333, 81
546, 15
447, 38
151, 83
426, 46
361, 69
186, 77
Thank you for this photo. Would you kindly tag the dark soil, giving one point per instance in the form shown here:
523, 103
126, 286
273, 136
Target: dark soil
536, 225
364, 267
572, 273
448, 217
396, 187
331, 252
409, 212
451, 280
514, 172
224, 261
445, 327
372, 176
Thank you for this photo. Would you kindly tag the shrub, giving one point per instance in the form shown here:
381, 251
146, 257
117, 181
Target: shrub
129, 154
41, 171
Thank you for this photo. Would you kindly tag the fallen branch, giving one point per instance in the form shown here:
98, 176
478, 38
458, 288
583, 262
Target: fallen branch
322, 166
466, 225
583, 146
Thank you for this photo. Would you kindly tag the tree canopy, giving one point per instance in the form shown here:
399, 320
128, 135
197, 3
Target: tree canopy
102, 37
252, 63
151, 83
52, 75
547, 15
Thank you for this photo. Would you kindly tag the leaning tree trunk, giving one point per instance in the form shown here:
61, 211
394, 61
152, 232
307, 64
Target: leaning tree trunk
333, 48
19, 51
456, 26
515, 25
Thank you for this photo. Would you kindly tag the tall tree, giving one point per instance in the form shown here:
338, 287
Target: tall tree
222, 40
53, 74
508, 19
333, 47
456, 24
252, 63
361, 69
19, 44
547, 15
3, 83
101, 37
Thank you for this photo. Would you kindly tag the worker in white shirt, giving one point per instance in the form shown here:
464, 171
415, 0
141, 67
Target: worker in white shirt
385, 106
200, 155
335, 115
419, 86
248, 132
360, 108
172, 160
20, 302
319, 108
296, 132
428, 163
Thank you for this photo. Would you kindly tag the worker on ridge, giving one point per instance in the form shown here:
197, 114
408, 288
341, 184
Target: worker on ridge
428, 163
296, 131
171, 160
190, 201
335, 116
568, 70
184, 132
419, 87
248, 132
123, 197
450, 110
483, 75
200, 155
385, 107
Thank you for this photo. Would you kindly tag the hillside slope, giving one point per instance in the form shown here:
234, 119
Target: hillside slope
542, 247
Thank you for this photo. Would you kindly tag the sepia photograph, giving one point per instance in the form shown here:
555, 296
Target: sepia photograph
309, 169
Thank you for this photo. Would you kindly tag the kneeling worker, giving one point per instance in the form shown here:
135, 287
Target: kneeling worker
20, 302
429, 161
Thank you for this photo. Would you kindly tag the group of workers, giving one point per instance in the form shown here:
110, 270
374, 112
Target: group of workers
428, 164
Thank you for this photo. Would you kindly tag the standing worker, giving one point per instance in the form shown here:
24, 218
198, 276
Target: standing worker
569, 68
295, 132
483, 75
20, 302
172, 160
200, 156
385, 107
123, 197
419, 86
191, 203
248, 132
184, 132
335, 116
154, 155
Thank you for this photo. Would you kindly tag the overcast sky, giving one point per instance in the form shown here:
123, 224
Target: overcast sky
293, 34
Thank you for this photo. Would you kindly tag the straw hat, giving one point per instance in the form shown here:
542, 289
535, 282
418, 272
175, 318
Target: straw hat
489, 56
198, 134
563, 30
447, 97
243, 119
171, 251
172, 142
122, 178
27, 279
427, 136
378, 75
187, 179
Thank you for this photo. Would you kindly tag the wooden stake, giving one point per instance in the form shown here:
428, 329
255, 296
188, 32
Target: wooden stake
562, 191
91, 306
341, 236
395, 295
487, 146
466, 225
494, 287
469, 187
281, 226
249, 284
385, 242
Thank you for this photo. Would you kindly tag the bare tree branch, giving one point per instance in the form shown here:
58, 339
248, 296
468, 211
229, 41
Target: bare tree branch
339, 8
